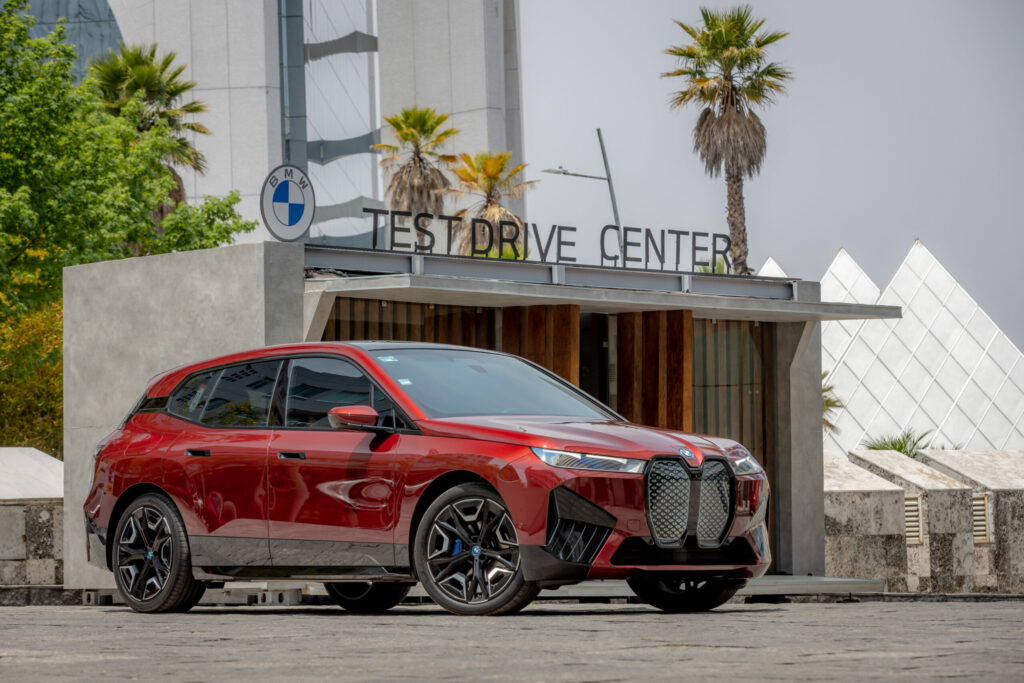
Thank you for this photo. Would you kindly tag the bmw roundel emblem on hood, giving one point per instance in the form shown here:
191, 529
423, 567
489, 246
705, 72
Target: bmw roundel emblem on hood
687, 454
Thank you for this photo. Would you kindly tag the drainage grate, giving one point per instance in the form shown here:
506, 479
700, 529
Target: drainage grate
981, 517
912, 519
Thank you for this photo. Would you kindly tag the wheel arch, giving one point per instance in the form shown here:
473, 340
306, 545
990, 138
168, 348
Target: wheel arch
124, 500
438, 486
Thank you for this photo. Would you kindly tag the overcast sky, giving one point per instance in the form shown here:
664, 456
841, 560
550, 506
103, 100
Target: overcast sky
903, 121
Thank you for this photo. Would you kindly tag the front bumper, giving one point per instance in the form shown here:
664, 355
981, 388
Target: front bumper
599, 527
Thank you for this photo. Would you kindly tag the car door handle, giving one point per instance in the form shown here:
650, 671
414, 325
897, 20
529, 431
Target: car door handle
197, 453
291, 455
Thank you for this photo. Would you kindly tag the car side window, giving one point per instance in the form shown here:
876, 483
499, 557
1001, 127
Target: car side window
315, 385
242, 395
190, 398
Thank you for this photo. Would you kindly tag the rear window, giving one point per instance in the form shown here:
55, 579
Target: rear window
242, 395
190, 399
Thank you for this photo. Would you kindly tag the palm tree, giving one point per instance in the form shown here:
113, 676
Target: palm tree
726, 73
486, 176
415, 163
830, 403
133, 69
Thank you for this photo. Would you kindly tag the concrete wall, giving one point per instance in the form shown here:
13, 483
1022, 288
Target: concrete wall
864, 530
31, 542
999, 565
944, 560
125, 321
799, 547
461, 58
231, 51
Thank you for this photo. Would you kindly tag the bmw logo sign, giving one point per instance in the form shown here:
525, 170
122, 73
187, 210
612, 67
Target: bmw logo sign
287, 203
687, 454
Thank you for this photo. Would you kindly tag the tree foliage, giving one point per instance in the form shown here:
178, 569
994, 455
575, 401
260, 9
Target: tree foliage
830, 405
416, 164
135, 70
78, 184
488, 177
725, 73
31, 384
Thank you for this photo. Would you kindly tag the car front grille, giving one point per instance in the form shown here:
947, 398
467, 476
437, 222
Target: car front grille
715, 504
668, 501
672, 487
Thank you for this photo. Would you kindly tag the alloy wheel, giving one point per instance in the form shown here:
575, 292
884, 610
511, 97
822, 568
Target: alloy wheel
144, 553
472, 550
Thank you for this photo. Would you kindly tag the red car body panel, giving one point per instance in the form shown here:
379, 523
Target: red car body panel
361, 490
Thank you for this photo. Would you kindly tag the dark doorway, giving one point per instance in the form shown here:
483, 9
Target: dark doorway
594, 355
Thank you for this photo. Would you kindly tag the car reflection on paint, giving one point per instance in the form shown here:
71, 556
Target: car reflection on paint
371, 466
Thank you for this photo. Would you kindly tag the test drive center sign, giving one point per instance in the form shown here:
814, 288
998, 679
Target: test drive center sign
287, 203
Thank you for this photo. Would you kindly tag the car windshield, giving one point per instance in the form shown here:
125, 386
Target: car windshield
460, 383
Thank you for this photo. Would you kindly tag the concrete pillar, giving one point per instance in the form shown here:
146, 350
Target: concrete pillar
125, 321
799, 545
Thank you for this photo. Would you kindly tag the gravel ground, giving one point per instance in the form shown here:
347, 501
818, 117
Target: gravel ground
550, 641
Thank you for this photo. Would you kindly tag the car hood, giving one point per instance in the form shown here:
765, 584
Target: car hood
601, 437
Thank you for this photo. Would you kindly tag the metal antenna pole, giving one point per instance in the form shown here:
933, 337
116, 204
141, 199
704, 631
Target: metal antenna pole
611, 191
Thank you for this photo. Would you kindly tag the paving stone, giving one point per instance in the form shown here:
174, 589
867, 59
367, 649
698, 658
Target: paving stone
857, 641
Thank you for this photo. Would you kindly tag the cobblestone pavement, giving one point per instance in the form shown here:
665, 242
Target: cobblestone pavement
982, 641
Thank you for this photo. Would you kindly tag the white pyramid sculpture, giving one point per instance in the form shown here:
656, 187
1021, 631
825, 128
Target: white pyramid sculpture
770, 269
944, 366
845, 282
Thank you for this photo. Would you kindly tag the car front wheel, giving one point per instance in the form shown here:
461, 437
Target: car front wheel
467, 554
680, 594
152, 563
367, 598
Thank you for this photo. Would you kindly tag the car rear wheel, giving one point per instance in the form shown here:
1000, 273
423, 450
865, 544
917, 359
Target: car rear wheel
680, 594
467, 554
366, 597
152, 563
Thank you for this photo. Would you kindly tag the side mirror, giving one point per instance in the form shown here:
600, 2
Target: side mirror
352, 417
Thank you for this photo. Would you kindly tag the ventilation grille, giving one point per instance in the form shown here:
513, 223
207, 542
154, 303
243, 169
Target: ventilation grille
980, 515
668, 501
912, 519
715, 504
572, 541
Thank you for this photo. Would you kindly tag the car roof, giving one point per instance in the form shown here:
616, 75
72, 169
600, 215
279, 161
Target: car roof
164, 382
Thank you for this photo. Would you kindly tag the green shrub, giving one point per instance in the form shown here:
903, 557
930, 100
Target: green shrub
31, 383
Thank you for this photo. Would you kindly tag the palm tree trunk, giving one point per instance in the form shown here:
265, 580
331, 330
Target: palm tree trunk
737, 219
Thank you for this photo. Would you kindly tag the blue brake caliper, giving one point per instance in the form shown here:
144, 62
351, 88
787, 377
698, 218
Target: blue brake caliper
457, 546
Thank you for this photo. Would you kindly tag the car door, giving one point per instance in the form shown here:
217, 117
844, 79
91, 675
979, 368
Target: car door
332, 492
219, 462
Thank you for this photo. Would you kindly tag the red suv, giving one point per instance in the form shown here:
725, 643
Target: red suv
373, 465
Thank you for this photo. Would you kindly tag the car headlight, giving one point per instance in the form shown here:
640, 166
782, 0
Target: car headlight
746, 465
585, 461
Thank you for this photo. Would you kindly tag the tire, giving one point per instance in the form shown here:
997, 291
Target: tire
465, 534
151, 558
677, 594
368, 598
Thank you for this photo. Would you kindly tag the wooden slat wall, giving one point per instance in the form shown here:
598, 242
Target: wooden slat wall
655, 368
372, 319
546, 335
731, 379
